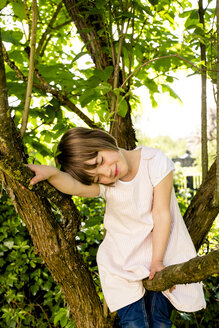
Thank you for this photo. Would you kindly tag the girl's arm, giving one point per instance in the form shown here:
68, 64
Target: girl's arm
162, 222
62, 181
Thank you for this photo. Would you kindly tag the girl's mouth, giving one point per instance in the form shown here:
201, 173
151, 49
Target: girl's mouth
116, 171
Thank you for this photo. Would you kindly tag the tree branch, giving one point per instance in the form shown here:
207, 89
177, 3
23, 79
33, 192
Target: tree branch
17, 171
163, 57
195, 270
49, 27
31, 69
28, 19
5, 124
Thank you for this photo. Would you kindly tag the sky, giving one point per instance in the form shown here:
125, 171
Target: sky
171, 117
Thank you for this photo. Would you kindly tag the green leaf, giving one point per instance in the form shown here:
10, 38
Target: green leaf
104, 75
2, 4
103, 88
93, 221
19, 10
60, 315
17, 56
9, 244
154, 2
87, 97
79, 55
117, 91
122, 107
12, 37
167, 88
64, 320
34, 289
151, 85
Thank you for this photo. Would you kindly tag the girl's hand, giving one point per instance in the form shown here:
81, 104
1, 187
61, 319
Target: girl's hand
42, 172
156, 267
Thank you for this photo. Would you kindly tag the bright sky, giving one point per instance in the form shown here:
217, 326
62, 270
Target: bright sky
171, 117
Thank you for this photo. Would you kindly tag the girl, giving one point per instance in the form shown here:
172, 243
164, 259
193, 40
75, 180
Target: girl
144, 228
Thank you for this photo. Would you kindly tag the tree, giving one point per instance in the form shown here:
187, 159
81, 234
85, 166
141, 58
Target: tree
116, 39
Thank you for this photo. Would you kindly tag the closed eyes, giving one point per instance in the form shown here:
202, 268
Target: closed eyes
99, 162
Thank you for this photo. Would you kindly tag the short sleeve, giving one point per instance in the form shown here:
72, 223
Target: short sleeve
102, 191
159, 167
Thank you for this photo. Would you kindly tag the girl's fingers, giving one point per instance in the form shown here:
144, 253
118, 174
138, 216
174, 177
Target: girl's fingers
35, 179
151, 276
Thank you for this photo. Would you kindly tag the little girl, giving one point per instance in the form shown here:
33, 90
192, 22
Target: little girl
144, 228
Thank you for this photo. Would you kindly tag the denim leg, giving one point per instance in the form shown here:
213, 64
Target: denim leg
160, 309
134, 315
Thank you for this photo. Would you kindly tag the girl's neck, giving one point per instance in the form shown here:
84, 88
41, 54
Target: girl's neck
132, 158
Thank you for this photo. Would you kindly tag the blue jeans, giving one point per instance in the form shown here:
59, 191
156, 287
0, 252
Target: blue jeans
151, 311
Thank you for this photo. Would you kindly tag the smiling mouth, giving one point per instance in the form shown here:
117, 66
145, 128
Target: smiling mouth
116, 171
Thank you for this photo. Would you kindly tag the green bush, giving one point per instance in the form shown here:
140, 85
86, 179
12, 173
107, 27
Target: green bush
29, 297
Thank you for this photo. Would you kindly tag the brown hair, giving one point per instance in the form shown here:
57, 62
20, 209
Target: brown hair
79, 145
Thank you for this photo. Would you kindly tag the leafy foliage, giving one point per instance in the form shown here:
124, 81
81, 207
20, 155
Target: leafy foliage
29, 295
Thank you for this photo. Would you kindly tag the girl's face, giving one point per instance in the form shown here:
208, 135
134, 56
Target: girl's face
111, 166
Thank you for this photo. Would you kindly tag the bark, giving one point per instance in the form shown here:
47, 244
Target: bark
88, 26
195, 270
202, 210
217, 160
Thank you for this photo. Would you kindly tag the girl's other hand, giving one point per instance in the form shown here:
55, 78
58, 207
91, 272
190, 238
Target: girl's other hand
156, 267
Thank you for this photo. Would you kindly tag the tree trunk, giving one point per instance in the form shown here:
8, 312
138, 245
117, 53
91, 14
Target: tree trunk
88, 25
202, 210
61, 257
217, 160
122, 127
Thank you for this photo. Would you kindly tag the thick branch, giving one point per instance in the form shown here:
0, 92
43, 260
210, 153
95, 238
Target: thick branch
88, 29
16, 170
195, 270
31, 68
5, 123
202, 210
